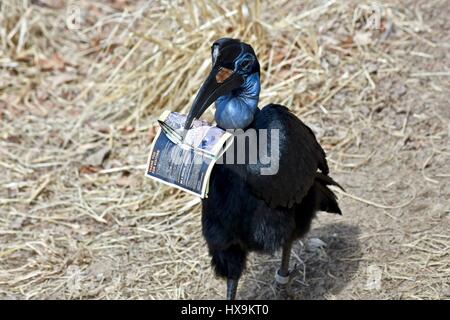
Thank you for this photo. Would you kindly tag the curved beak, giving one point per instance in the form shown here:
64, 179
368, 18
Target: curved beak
219, 82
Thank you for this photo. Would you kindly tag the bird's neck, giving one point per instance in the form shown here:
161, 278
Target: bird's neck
237, 109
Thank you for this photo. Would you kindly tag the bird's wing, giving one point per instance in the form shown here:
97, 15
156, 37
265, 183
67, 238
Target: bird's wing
300, 155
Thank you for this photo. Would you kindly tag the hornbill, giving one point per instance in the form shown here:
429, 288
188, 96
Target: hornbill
245, 210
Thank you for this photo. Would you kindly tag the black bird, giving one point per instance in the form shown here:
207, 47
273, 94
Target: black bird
245, 210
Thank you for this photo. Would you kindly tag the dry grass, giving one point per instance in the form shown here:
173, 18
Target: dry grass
77, 113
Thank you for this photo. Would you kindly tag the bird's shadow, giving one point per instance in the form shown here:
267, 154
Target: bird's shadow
323, 272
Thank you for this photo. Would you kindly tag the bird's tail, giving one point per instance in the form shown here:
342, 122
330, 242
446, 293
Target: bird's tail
325, 198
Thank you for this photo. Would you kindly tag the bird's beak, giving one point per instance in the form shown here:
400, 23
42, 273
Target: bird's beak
219, 82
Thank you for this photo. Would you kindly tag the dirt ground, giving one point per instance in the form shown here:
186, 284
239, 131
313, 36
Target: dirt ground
77, 110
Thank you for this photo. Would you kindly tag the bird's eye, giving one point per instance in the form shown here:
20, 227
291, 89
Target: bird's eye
246, 64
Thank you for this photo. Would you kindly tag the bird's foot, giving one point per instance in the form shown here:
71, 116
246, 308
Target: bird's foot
286, 280
284, 283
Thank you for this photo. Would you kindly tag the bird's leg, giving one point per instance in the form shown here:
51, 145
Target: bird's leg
282, 275
232, 285
285, 257
229, 264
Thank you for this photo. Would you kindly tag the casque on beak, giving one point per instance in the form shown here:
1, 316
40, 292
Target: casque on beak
219, 82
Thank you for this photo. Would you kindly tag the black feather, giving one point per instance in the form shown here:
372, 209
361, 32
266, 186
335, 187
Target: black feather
245, 211
327, 180
300, 157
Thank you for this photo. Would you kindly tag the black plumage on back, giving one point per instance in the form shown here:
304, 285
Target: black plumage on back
300, 155
245, 211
